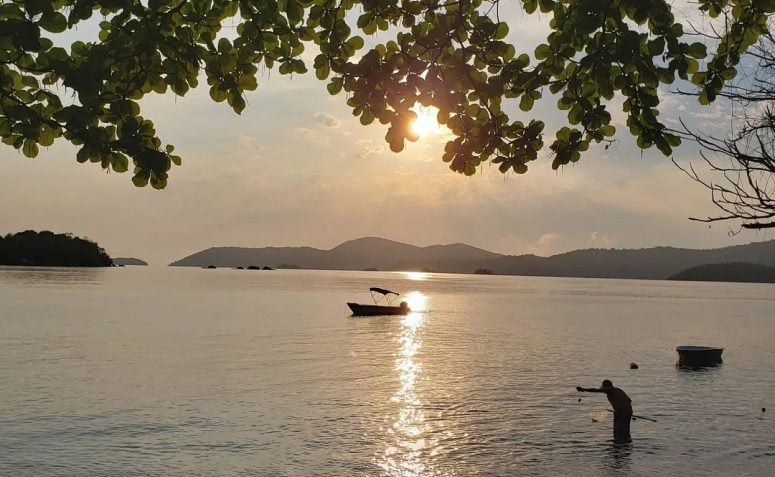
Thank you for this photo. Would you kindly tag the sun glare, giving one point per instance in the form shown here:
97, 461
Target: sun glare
416, 300
417, 276
426, 123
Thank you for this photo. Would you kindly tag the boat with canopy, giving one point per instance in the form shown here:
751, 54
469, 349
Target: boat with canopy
383, 304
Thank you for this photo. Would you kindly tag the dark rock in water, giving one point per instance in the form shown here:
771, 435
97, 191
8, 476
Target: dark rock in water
210, 267
579, 399
633, 365
267, 268
764, 409
254, 267
240, 268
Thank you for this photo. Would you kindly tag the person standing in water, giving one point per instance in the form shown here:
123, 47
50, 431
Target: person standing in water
622, 405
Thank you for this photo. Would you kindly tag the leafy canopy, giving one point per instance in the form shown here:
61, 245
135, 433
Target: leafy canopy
444, 53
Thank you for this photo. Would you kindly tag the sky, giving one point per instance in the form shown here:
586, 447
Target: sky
297, 169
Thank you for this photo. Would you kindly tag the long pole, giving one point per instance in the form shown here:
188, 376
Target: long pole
637, 417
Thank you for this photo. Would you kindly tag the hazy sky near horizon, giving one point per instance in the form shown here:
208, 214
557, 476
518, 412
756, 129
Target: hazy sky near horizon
296, 168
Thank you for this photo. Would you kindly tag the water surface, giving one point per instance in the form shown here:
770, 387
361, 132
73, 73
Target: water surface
190, 372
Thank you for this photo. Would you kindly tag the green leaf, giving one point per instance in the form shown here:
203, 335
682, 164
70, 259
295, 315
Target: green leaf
656, 46
526, 103
119, 162
30, 148
608, 130
295, 11
335, 86
140, 179
54, 22
729, 73
663, 146
543, 51
46, 136
356, 43
501, 31
673, 140
217, 94
322, 73
697, 50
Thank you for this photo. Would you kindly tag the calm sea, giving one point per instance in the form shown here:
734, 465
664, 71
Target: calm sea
191, 372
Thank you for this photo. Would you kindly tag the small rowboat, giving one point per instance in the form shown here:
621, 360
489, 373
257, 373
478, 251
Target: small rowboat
378, 294
698, 356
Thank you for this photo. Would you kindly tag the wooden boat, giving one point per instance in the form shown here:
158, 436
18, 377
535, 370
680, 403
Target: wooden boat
698, 356
377, 310
378, 294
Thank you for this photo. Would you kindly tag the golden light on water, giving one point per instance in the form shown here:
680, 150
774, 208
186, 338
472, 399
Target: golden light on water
426, 123
417, 302
409, 447
417, 276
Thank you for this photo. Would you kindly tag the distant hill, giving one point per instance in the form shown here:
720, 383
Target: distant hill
129, 261
360, 254
728, 272
381, 254
649, 263
49, 249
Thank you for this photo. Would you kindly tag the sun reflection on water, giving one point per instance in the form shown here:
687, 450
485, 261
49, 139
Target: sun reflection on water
417, 302
409, 445
417, 276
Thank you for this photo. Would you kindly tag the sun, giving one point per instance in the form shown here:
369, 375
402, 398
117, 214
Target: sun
426, 123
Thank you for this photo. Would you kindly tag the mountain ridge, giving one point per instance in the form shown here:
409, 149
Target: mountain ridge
383, 254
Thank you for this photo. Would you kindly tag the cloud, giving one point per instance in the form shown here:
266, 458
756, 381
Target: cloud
369, 151
545, 245
249, 146
712, 112
600, 240
327, 120
312, 135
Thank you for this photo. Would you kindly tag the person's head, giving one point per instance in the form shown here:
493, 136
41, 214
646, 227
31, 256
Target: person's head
607, 383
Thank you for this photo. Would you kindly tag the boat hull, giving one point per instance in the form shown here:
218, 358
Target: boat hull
377, 310
698, 356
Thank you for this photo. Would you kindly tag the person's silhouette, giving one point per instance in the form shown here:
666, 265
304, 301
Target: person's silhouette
622, 405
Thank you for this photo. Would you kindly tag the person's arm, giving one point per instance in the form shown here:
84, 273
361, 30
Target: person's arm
589, 390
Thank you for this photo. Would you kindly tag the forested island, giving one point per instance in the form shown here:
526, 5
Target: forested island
122, 261
728, 272
48, 249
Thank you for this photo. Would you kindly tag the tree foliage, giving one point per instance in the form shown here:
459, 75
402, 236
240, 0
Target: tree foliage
451, 54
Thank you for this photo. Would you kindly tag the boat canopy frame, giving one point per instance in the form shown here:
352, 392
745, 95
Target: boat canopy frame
378, 294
